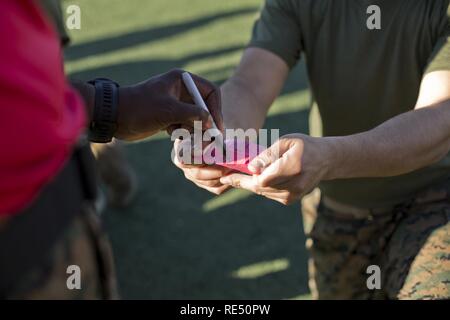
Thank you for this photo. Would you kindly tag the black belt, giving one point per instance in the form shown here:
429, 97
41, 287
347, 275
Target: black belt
26, 238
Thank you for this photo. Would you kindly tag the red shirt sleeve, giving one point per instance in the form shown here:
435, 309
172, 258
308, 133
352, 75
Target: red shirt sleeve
41, 116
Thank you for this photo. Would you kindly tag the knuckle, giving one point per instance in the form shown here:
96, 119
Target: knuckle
177, 162
297, 167
175, 72
201, 185
195, 174
187, 175
287, 136
285, 199
202, 114
223, 189
268, 155
263, 183
216, 191
210, 183
215, 89
232, 181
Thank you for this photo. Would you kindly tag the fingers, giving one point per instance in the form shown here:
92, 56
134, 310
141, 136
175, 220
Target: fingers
251, 184
207, 177
242, 181
179, 158
279, 167
204, 176
185, 153
211, 94
171, 128
279, 163
268, 157
216, 190
186, 113
286, 168
207, 172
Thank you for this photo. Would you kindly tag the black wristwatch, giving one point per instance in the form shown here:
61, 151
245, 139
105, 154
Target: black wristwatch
104, 121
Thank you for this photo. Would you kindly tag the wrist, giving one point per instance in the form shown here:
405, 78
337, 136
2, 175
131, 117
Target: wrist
103, 124
332, 155
123, 111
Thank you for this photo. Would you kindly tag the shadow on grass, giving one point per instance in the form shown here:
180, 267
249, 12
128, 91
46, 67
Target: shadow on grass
132, 72
146, 36
167, 246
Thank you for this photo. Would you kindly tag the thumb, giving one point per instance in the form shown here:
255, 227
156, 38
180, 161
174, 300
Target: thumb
267, 157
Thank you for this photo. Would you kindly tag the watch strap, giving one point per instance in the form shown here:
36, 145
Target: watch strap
104, 123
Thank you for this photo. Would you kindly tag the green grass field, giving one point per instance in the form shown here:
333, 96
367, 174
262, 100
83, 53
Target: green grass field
177, 241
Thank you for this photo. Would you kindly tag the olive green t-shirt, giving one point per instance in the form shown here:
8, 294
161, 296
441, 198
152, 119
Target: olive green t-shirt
360, 78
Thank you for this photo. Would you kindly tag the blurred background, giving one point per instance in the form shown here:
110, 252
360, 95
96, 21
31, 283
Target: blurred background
177, 241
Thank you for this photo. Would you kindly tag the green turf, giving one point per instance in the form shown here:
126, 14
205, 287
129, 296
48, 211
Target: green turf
177, 241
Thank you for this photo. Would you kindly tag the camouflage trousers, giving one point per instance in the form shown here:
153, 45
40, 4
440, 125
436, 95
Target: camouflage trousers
409, 243
83, 244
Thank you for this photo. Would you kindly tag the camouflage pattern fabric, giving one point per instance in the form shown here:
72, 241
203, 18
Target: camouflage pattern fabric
83, 244
410, 244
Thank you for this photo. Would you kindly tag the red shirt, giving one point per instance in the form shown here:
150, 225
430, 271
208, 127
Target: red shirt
41, 116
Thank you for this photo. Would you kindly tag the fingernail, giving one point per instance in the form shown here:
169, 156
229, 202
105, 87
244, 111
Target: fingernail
209, 122
256, 165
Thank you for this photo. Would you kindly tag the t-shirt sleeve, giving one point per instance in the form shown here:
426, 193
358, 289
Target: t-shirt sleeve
278, 30
440, 58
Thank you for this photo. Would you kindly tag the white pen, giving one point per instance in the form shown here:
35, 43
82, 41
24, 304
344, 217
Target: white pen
198, 100
195, 94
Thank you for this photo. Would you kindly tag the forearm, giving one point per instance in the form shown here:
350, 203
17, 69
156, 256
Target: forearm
249, 93
400, 145
241, 107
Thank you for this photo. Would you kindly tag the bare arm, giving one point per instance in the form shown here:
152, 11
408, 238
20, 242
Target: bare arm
249, 93
297, 163
402, 144
159, 103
